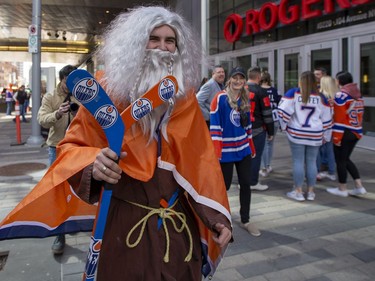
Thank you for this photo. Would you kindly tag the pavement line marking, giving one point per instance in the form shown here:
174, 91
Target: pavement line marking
20, 152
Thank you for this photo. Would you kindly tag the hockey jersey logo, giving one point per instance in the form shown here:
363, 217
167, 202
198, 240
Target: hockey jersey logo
234, 117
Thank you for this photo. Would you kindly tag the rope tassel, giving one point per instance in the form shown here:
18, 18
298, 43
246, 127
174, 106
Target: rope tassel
164, 214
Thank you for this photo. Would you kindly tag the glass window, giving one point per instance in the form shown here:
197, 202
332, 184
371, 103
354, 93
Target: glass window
276, 69
345, 55
213, 8
290, 71
213, 36
225, 6
369, 121
263, 64
224, 45
322, 58
367, 86
244, 62
291, 31
367, 83
241, 6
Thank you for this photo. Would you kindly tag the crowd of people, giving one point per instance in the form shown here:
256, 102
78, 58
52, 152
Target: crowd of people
21, 96
321, 117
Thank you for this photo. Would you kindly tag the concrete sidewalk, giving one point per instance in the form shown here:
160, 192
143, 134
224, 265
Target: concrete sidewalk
331, 238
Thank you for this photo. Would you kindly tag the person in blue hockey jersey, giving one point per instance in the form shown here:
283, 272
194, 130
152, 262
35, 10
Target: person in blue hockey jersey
305, 115
230, 128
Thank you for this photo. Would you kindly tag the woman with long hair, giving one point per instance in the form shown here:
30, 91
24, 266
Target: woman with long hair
326, 157
347, 130
230, 128
305, 115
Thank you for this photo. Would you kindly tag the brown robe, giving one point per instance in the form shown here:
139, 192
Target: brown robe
145, 261
188, 158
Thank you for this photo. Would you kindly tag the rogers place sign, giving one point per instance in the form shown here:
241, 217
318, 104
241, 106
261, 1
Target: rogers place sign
271, 14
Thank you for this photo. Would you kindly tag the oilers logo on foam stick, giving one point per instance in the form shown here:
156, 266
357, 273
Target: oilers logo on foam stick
93, 257
166, 89
106, 116
86, 90
140, 108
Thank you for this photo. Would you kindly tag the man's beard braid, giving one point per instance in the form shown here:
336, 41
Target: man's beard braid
157, 65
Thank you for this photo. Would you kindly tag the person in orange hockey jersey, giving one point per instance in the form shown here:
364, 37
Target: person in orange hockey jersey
347, 130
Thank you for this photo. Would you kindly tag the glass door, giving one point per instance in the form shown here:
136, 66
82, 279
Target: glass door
289, 65
244, 62
321, 58
265, 61
325, 55
364, 75
290, 71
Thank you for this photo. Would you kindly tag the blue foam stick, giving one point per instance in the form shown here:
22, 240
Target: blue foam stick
93, 97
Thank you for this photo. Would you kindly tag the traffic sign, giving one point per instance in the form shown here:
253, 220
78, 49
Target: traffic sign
33, 29
33, 44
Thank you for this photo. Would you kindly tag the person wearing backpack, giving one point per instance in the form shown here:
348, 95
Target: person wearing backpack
21, 97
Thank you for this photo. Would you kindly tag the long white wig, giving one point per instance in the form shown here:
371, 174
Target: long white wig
130, 69
124, 49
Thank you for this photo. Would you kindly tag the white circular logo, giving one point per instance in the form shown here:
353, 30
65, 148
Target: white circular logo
106, 115
86, 90
140, 108
166, 89
234, 117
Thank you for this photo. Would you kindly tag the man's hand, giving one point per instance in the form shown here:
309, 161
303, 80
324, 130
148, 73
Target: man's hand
63, 109
224, 235
105, 166
269, 138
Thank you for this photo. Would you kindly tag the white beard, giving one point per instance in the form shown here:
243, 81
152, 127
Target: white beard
157, 65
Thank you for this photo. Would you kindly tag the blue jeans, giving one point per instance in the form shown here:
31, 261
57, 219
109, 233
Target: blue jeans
326, 157
304, 156
51, 154
9, 107
259, 142
22, 111
268, 151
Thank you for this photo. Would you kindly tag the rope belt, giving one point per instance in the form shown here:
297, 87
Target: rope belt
164, 214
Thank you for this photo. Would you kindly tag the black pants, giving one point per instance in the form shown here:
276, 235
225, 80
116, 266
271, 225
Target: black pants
342, 157
243, 172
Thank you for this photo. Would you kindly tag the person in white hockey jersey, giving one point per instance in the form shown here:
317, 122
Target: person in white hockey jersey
305, 115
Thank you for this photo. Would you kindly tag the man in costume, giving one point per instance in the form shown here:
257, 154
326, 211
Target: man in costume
162, 157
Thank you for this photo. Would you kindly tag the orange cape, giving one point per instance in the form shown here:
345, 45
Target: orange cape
188, 153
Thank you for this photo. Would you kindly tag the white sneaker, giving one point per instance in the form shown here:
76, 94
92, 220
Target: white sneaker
263, 172
298, 196
358, 191
331, 177
269, 169
336, 191
251, 228
310, 196
321, 175
259, 186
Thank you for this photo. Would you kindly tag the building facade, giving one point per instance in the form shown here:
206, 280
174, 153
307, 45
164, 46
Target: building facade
288, 37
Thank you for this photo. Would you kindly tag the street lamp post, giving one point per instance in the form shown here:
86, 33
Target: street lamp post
36, 138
